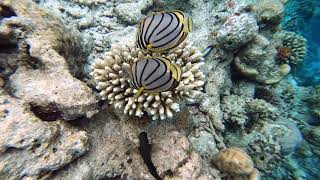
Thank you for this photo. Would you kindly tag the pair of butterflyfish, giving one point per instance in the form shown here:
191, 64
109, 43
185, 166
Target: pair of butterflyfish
159, 32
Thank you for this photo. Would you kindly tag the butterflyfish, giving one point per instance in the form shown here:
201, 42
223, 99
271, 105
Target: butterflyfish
163, 30
154, 75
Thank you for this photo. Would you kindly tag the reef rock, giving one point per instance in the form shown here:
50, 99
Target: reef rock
32, 148
237, 31
114, 151
257, 61
46, 57
131, 12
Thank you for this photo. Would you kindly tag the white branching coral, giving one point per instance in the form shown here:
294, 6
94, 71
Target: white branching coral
111, 76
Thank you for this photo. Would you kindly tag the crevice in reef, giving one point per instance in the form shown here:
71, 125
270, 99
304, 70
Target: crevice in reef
7, 47
49, 113
7, 12
33, 62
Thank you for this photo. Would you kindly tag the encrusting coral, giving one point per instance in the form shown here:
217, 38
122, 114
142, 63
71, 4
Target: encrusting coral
111, 77
235, 162
294, 47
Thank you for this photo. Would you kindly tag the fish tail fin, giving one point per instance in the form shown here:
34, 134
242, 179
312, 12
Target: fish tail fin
176, 72
187, 24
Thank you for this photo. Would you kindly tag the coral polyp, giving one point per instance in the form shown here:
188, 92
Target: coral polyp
284, 53
112, 79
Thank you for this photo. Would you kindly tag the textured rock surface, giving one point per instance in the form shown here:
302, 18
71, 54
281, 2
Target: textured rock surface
237, 31
114, 150
48, 84
32, 148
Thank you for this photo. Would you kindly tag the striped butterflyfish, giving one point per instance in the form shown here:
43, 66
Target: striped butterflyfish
154, 75
163, 30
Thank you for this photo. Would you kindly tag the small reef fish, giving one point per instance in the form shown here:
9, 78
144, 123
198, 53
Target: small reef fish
145, 152
206, 52
163, 30
155, 75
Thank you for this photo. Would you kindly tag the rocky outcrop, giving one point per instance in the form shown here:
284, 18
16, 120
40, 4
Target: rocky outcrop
44, 62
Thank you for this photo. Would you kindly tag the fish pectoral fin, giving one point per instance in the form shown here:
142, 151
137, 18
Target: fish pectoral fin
149, 46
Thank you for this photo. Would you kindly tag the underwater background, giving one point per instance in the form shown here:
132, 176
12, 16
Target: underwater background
243, 103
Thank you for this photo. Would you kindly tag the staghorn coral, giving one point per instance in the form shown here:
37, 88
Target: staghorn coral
294, 47
233, 160
112, 79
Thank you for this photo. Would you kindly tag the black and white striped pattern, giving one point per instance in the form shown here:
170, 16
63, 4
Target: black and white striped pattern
163, 31
154, 75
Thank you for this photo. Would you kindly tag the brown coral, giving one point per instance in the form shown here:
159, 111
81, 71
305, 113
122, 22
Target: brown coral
234, 161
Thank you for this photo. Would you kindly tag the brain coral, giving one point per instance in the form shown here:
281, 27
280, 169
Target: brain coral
111, 77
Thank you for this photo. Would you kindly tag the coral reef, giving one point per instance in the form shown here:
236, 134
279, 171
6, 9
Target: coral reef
242, 111
294, 47
112, 79
257, 61
234, 161
43, 64
32, 148
268, 12
90, 2
46, 57
135, 9
237, 30
313, 101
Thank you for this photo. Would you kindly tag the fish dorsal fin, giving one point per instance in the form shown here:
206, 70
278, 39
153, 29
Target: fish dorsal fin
166, 61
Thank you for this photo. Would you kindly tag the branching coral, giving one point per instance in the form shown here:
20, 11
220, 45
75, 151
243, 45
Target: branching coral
294, 47
112, 79
238, 110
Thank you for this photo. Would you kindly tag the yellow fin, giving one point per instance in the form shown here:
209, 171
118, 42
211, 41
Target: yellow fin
149, 46
187, 24
138, 93
167, 62
176, 71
